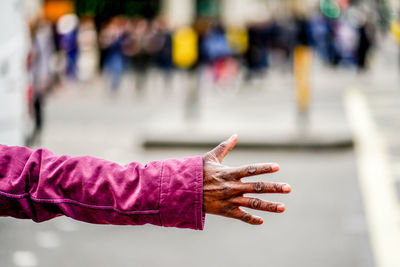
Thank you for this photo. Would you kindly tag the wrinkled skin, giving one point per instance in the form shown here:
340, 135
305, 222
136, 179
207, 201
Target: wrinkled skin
223, 190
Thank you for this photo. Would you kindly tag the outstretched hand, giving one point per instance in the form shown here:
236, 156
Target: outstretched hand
223, 190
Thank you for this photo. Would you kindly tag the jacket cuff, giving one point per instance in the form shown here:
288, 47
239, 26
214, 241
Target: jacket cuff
181, 193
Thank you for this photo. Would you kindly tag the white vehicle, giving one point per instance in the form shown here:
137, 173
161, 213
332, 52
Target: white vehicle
16, 125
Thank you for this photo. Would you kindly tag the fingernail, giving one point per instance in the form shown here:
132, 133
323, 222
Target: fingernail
286, 188
275, 167
260, 221
280, 208
233, 137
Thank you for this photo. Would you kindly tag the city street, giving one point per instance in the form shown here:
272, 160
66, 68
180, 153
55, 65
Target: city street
311, 85
325, 222
324, 225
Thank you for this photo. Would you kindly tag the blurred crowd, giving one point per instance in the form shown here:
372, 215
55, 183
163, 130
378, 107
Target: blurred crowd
139, 44
78, 48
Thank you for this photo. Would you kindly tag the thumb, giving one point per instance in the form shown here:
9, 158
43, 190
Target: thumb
223, 148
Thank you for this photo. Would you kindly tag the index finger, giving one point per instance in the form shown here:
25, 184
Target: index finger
252, 169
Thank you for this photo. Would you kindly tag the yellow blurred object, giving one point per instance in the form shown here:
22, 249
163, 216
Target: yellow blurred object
54, 9
302, 66
395, 29
238, 39
185, 47
298, 8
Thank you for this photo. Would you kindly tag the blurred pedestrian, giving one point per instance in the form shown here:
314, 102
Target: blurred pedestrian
111, 39
164, 55
67, 29
365, 42
321, 35
185, 50
257, 53
346, 41
38, 185
135, 48
159, 48
217, 52
42, 69
88, 49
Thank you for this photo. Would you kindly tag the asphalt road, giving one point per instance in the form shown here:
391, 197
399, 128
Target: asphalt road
323, 226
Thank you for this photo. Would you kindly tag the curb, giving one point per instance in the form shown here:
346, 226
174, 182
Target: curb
313, 142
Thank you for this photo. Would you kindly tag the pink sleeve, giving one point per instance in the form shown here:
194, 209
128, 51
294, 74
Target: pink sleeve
38, 185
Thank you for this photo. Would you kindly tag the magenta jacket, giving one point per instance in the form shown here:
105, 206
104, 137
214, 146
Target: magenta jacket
38, 185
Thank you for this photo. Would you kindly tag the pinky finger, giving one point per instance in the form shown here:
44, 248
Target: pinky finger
246, 217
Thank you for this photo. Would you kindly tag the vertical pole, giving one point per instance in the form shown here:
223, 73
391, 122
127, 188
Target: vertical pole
395, 29
302, 67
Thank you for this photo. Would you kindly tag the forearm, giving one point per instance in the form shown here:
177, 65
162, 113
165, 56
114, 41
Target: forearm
39, 185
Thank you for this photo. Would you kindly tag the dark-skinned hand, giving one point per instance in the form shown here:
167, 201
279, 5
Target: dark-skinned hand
223, 190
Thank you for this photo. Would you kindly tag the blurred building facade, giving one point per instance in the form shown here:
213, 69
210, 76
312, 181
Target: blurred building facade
232, 12
183, 13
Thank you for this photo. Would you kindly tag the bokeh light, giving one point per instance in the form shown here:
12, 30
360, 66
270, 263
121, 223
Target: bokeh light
330, 8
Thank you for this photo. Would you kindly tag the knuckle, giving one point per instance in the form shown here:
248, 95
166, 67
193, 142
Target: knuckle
255, 203
259, 187
225, 175
226, 189
223, 146
251, 169
229, 210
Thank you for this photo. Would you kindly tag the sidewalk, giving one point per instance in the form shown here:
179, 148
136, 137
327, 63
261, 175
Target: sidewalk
263, 114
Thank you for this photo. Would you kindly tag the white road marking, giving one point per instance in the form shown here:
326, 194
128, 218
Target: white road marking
48, 239
396, 170
25, 259
376, 182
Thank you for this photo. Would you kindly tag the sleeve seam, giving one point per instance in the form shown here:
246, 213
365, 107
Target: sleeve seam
160, 191
197, 196
200, 196
77, 203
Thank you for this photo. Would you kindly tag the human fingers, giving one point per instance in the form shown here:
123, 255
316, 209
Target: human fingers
220, 151
238, 213
258, 204
265, 187
252, 169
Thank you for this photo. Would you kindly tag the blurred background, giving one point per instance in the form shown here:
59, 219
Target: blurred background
313, 85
